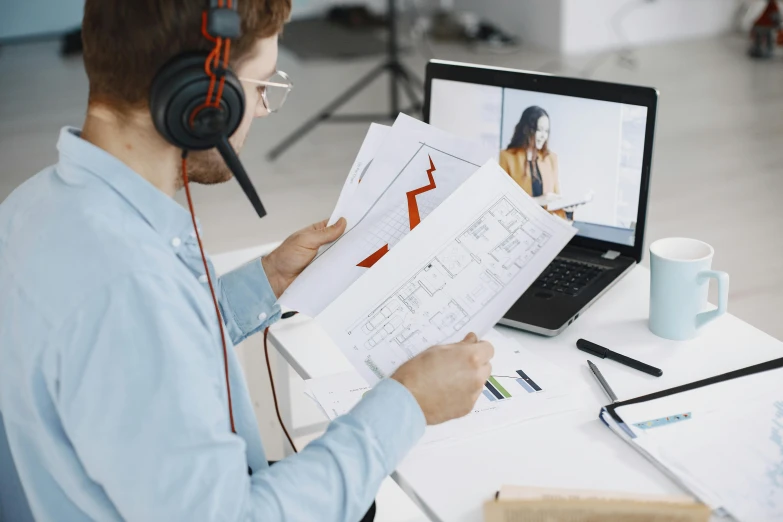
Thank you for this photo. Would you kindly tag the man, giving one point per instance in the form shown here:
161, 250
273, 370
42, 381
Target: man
113, 403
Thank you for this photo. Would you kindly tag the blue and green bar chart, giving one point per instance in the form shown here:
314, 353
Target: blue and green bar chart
494, 391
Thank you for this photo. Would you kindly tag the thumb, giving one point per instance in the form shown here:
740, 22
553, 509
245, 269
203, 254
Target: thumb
470, 338
331, 233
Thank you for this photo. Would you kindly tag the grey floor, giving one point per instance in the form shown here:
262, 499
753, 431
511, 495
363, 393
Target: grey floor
717, 171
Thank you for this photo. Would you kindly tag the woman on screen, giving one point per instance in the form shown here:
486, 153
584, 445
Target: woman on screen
528, 160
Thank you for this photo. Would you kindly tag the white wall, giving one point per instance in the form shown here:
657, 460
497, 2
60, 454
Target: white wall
588, 24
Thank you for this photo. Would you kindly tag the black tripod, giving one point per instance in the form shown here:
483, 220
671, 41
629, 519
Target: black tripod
399, 76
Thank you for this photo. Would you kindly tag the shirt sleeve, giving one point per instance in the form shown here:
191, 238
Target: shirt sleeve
337, 476
141, 397
247, 301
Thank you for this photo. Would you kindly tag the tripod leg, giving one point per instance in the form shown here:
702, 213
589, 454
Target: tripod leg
400, 76
326, 112
412, 78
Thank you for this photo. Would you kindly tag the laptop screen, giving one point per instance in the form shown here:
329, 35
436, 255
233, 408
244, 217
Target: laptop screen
581, 158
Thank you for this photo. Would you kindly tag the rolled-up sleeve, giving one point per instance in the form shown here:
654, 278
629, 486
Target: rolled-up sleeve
247, 301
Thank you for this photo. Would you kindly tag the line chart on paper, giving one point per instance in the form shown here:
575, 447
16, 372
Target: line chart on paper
416, 168
427, 179
413, 213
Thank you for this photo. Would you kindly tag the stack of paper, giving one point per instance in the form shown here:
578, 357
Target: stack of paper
400, 176
437, 246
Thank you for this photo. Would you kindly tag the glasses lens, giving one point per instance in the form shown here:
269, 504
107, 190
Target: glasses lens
276, 95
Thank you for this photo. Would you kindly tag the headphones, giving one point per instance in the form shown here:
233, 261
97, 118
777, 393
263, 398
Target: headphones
197, 101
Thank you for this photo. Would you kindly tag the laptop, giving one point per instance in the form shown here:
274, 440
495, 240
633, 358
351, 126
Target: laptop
582, 148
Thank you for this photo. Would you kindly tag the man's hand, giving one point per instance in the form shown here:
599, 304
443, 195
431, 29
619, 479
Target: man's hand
447, 380
289, 259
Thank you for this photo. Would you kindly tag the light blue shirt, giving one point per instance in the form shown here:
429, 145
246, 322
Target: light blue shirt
113, 401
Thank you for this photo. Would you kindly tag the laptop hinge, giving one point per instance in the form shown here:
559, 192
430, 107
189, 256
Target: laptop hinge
611, 255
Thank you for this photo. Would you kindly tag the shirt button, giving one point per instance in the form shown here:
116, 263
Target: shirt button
262, 317
176, 242
203, 278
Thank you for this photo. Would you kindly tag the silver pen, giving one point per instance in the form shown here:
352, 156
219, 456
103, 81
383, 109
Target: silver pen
604, 385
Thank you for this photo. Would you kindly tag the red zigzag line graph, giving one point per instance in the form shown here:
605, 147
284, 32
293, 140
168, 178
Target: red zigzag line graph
413, 206
414, 218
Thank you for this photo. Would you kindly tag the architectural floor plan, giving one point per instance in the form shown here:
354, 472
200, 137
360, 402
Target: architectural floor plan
457, 272
451, 289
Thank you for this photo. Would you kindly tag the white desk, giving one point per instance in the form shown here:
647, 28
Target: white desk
576, 450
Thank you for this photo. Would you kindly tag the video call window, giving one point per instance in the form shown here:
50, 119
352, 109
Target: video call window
581, 158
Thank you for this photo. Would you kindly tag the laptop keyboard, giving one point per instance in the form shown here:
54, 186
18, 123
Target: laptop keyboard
568, 277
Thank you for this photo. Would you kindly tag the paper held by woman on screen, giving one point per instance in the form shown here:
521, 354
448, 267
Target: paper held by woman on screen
553, 202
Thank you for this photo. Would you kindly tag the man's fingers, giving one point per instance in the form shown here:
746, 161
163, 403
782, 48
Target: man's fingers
485, 371
318, 226
318, 234
331, 233
484, 351
470, 338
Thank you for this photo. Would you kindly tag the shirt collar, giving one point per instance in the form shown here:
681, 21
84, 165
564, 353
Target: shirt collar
162, 213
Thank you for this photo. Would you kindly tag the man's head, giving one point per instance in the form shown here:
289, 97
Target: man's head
127, 41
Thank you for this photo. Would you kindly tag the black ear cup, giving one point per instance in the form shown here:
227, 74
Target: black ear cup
181, 87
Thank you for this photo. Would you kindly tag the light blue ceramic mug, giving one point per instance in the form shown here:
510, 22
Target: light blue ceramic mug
680, 271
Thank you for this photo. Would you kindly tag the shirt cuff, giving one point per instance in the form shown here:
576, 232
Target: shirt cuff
247, 300
395, 418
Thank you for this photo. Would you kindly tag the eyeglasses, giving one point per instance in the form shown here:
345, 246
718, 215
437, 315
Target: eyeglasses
274, 91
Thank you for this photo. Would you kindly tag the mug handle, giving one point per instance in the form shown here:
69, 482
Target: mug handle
723, 297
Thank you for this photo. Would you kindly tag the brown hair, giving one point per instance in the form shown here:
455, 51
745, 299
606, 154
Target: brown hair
127, 41
525, 131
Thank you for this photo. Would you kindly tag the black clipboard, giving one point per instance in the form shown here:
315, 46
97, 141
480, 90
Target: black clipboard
736, 374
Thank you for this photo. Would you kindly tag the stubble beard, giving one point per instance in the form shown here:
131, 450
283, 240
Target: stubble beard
207, 167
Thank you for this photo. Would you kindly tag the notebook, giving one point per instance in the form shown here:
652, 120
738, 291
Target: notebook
720, 439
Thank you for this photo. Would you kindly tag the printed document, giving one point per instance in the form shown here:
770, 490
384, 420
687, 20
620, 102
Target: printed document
523, 387
416, 168
372, 142
723, 442
459, 271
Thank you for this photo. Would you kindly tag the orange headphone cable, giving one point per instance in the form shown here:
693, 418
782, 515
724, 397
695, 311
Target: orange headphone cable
214, 55
274, 393
211, 287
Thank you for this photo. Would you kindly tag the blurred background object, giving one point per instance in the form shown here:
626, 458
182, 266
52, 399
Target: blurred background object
35, 19
767, 32
344, 31
401, 77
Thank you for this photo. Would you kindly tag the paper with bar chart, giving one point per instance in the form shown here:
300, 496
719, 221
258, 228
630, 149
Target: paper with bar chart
415, 169
513, 399
459, 271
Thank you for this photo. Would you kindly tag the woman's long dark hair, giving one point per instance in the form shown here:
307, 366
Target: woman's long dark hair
525, 131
